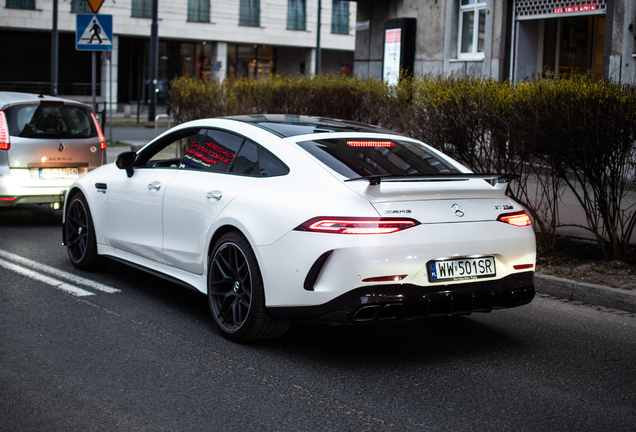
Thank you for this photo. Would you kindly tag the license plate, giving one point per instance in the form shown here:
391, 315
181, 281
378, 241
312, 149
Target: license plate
58, 173
462, 269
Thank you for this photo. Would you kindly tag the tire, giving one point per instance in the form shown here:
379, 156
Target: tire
81, 243
236, 294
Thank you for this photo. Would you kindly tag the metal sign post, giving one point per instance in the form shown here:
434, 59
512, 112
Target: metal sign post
95, 33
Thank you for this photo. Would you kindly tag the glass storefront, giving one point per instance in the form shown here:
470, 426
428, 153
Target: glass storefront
250, 61
562, 37
574, 45
176, 58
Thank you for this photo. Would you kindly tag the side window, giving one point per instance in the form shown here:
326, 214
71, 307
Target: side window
254, 160
168, 152
246, 161
270, 165
212, 150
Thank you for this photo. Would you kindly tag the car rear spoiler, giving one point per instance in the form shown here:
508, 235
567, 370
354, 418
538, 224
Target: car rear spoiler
376, 179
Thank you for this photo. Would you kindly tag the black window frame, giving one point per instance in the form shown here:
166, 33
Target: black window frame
250, 13
297, 15
340, 17
20, 4
198, 11
80, 6
141, 9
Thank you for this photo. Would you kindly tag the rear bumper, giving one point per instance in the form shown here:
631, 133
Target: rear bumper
404, 302
34, 199
22, 186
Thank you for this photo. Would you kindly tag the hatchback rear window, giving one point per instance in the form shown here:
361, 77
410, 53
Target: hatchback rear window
358, 158
50, 121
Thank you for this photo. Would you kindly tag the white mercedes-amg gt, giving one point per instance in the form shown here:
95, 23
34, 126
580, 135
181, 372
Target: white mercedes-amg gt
284, 218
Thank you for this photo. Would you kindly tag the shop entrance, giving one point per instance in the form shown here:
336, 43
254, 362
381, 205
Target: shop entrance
573, 46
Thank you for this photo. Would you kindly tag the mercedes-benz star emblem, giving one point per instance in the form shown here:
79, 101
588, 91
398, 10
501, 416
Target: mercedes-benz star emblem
60, 147
459, 210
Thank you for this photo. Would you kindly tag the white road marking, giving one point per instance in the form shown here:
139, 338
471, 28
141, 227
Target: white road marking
58, 273
71, 289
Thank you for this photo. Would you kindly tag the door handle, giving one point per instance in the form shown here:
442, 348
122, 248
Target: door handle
214, 195
154, 186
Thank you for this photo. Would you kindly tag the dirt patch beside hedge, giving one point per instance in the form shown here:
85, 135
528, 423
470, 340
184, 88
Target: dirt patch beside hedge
582, 261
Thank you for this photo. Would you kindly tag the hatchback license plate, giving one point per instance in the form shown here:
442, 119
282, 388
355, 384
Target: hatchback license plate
58, 173
462, 269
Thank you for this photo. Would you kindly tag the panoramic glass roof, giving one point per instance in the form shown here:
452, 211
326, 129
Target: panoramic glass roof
287, 125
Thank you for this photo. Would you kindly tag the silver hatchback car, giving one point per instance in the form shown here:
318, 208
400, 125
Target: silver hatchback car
45, 144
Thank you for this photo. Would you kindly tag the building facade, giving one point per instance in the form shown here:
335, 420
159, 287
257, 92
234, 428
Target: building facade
202, 38
505, 39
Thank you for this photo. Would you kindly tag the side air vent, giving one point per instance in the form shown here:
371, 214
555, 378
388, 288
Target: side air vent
314, 271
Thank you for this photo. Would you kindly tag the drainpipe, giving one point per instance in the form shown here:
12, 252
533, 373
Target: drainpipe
512, 42
54, 51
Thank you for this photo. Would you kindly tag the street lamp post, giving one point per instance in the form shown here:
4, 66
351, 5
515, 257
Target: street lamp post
318, 54
154, 59
54, 51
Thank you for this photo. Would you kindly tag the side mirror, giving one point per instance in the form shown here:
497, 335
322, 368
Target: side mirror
126, 161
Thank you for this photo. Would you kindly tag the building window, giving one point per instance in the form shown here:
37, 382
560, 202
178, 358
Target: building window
340, 17
472, 29
250, 13
80, 6
199, 10
296, 15
141, 8
250, 61
20, 4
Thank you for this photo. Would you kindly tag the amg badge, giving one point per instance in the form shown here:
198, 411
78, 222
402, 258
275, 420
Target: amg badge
396, 211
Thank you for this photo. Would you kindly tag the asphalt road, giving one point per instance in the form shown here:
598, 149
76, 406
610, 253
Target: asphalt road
148, 358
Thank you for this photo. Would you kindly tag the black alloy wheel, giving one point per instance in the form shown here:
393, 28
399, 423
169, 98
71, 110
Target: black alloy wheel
236, 294
81, 243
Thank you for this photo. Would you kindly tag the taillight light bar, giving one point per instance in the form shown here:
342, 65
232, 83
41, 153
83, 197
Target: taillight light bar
349, 225
5, 143
371, 144
102, 139
519, 219
395, 278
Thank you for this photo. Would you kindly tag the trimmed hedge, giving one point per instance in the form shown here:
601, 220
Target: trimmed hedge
574, 133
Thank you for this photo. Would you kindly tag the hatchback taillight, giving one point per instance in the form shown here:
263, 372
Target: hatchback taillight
102, 139
520, 219
5, 143
347, 225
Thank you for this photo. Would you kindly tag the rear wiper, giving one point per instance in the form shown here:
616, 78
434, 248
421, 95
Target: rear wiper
376, 179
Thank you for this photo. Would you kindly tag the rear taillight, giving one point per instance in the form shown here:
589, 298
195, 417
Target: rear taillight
5, 143
102, 139
519, 219
356, 225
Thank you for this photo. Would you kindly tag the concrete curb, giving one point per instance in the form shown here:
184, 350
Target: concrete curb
598, 295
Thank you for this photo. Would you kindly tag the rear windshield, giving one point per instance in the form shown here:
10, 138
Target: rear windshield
358, 158
50, 121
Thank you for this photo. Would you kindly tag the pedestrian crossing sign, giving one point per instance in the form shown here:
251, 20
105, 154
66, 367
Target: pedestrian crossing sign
94, 32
